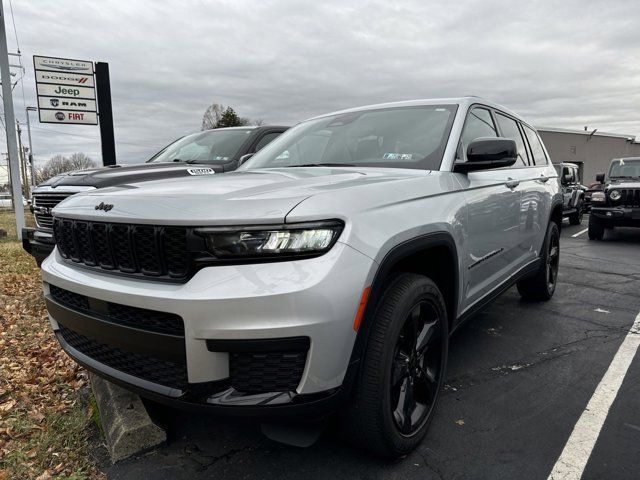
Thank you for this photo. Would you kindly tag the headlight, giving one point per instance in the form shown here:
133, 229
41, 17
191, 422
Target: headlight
598, 197
295, 240
614, 195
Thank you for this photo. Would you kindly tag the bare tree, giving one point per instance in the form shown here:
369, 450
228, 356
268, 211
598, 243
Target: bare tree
60, 164
212, 116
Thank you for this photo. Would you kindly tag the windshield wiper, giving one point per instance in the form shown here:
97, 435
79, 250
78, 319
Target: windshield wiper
625, 176
323, 165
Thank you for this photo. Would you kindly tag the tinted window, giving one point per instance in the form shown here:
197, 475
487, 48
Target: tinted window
536, 146
266, 139
399, 137
478, 124
509, 129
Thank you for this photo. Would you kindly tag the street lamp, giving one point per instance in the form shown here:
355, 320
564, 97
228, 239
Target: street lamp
33, 175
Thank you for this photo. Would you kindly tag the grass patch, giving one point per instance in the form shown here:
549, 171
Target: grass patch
44, 425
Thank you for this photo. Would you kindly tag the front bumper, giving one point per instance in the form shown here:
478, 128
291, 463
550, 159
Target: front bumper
234, 317
37, 243
617, 216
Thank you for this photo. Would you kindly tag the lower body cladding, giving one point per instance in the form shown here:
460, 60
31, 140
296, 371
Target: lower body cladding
245, 339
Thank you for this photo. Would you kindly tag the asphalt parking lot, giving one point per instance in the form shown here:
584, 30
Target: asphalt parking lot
520, 376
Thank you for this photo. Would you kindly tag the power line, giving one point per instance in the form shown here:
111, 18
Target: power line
58, 132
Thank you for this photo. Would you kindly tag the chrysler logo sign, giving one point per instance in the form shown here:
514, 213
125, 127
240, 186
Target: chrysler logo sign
104, 206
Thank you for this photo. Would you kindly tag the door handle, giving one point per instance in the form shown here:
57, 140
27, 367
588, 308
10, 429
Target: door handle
512, 183
543, 179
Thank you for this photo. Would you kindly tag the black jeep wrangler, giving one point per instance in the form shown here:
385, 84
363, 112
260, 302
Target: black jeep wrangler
618, 204
573, 204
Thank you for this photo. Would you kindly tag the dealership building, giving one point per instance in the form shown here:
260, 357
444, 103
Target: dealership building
591, 150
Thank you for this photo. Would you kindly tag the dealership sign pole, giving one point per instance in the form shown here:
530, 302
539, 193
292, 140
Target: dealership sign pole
66, 91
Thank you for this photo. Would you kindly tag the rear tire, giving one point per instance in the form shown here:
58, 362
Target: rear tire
576, 217
596, 228
543, 284
402, 370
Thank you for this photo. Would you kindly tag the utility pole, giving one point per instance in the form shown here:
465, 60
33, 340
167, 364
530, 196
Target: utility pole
23, 163
10, 121
31, 159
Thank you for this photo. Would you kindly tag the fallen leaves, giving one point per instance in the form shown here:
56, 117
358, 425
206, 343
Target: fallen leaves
38, 383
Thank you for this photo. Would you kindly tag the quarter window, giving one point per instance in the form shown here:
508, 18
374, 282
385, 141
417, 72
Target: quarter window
536, 146
478, 124
265, 140
509, 129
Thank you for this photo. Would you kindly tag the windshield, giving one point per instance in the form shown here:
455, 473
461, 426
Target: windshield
211, 146
399, 137
625, 168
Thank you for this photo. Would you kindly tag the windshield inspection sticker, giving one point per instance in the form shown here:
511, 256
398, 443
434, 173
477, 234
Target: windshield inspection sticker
200, 171
398, 156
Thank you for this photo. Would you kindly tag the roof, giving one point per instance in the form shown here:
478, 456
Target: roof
461, 101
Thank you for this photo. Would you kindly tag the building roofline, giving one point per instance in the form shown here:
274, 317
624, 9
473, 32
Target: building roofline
630, 138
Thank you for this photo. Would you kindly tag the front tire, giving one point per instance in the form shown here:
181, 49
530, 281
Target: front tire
543, 284
402, 369
596, 228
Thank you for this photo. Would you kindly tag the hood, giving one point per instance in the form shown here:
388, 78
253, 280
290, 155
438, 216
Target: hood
622, 183
250, 196
118, 174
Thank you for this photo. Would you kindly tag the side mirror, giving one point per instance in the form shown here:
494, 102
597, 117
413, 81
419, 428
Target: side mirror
244, 158
600, 177
487, 153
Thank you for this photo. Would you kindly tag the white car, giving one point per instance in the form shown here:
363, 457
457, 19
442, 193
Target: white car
325, 274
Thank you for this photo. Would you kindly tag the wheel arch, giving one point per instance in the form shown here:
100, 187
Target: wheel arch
434, 255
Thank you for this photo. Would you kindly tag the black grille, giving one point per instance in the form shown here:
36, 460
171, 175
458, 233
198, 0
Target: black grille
131, 249
629, 198
162, 372
266, 372
150, 320
43, 203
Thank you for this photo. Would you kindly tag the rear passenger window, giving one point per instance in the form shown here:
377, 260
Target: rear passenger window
478, 124
536, 146
509, 129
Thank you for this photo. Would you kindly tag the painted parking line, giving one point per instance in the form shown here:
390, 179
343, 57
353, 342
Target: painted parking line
579, 233
577, 451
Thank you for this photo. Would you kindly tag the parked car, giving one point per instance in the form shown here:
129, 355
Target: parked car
6, 200
592, 187
572, 192
203, 153
618, 203
326, 274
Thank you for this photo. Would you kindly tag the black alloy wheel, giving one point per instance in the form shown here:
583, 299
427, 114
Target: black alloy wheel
416, 369
553, 261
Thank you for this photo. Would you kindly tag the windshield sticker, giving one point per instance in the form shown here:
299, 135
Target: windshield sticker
398, 156
200, 171
621, 161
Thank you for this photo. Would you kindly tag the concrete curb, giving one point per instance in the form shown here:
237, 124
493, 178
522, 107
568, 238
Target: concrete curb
127, 426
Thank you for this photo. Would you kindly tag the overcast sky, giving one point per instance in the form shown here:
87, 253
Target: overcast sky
558, 63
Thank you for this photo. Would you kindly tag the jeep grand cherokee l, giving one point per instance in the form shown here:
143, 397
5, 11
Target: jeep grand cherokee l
326, 274
618, 203
212, 151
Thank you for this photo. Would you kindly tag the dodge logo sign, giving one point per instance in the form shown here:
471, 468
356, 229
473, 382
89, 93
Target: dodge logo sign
104, 206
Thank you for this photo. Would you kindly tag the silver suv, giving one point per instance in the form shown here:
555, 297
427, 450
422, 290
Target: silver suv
326, 274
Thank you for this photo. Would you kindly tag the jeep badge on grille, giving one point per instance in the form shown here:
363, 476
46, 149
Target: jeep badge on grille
104, 206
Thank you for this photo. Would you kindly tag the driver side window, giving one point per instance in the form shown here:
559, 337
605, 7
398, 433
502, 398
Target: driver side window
478, 124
